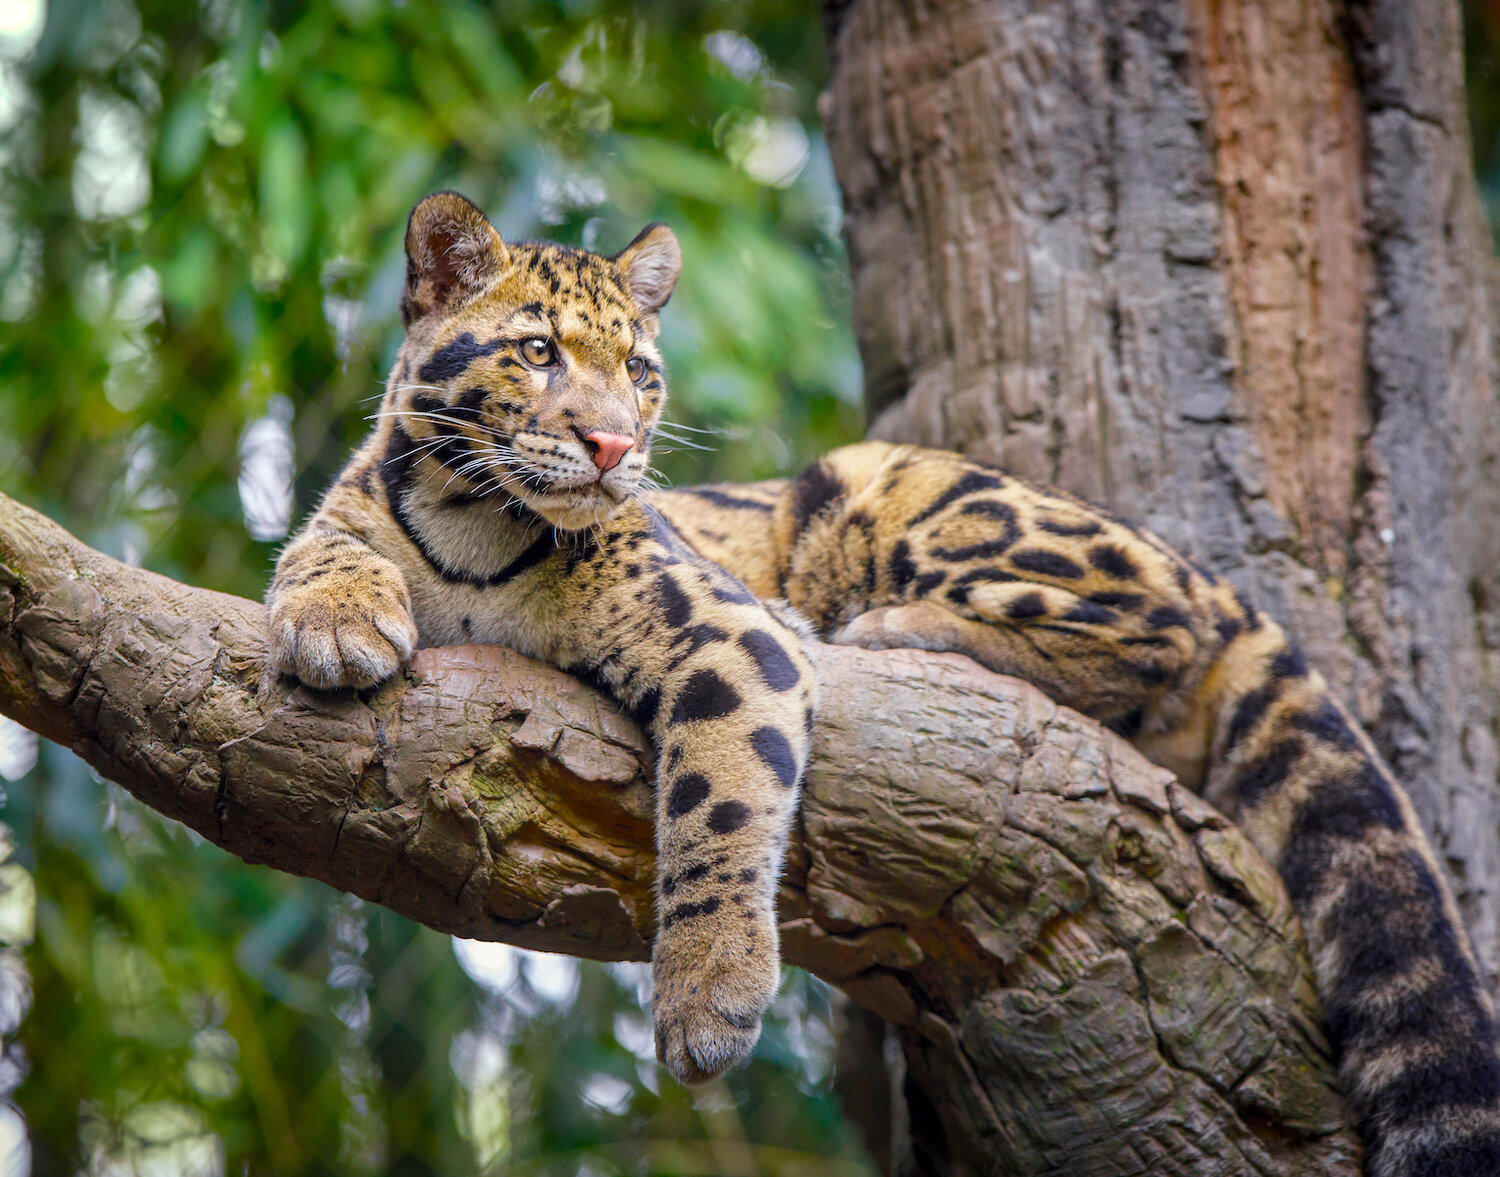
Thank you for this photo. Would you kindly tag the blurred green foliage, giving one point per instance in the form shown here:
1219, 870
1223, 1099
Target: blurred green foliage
201, 210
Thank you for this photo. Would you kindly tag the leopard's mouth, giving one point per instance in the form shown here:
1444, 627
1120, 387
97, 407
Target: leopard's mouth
572, 507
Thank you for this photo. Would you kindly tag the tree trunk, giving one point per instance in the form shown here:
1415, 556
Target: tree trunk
1219, 265
1102, 975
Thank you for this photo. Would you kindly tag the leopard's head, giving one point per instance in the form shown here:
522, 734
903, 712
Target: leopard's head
530, 371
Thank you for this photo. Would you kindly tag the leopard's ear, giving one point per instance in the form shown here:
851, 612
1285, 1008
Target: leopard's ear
452, 253
651, 264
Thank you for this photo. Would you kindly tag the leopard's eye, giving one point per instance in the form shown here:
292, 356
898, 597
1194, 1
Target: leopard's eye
635, 368
539, 353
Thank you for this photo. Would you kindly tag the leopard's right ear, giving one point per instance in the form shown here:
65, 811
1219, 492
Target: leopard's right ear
452, 254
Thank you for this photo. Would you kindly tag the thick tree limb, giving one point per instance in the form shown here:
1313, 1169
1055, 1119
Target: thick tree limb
1094, 973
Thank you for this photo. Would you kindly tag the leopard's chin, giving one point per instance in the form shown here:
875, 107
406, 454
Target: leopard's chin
574, 510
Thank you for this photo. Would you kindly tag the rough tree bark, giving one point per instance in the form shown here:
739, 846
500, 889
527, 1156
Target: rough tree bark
1221, 265
1104, 975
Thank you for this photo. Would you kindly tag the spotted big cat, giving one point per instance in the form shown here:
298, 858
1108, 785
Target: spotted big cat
502, 497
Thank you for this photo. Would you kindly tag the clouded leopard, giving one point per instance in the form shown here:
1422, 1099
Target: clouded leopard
501, 499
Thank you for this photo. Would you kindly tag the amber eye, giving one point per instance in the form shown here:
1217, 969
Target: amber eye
538, 352
635, 368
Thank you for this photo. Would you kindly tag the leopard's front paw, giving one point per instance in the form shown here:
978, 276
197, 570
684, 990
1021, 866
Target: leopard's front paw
708, 1010
351, 634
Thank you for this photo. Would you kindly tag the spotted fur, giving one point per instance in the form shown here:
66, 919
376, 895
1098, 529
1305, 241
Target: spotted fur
889, 546
481, 509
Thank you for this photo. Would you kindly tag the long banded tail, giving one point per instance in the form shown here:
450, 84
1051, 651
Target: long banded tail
1401, 990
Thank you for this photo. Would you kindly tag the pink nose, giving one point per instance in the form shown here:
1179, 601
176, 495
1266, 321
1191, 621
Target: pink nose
607, 448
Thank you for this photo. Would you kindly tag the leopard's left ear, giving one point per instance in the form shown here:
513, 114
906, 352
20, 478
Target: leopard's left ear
452, 253
651, 264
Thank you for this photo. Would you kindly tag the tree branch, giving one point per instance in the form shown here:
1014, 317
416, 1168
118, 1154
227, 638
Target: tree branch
1087, 960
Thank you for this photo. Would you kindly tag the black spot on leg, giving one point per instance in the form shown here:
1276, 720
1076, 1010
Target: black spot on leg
676, 608
778, 670
694, 873
688, 911
688, 792
775, 752
705, 695
728, 816
1166, 617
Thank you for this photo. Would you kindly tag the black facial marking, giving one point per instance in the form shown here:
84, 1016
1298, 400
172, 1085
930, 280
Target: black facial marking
705, 695
395, 474
454, 358
728, 816
776, 667
1228, 628
688, 792
1112, 562
775, 752
1046, 563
